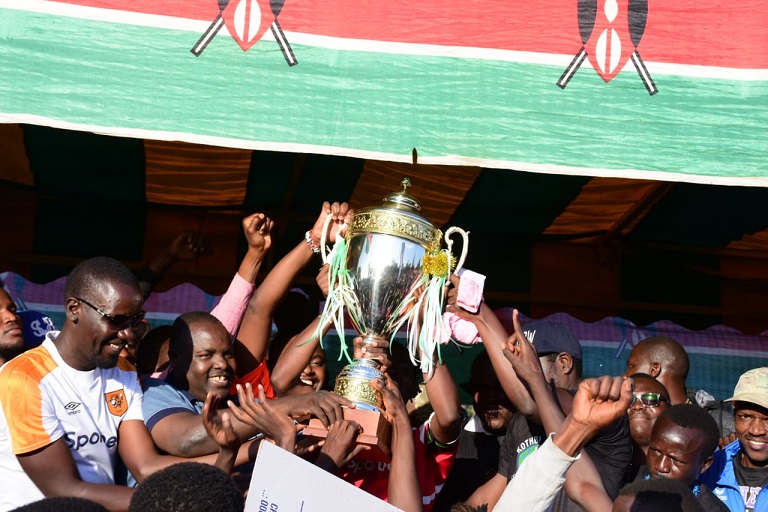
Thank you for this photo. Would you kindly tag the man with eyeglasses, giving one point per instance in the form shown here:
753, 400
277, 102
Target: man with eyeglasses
71, 405
739, 473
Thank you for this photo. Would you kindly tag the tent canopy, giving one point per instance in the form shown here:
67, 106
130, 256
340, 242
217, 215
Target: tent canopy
593, 247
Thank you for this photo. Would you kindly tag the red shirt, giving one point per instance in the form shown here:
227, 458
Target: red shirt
432, 468
259, 375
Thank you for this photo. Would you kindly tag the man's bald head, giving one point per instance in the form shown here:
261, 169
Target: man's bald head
659, 355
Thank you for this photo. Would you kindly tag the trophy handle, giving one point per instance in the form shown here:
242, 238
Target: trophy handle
465, 236
324, 237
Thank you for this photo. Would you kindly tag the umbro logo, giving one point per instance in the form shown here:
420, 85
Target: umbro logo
72, 408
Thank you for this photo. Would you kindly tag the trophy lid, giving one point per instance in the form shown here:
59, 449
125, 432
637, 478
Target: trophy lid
403, 199
398, 216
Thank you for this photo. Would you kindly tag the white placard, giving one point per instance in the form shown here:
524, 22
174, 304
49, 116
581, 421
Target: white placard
283, 482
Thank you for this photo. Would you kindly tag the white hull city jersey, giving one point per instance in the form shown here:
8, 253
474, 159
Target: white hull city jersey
43, 400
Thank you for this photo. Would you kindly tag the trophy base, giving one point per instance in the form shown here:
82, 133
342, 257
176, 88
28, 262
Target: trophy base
377, 433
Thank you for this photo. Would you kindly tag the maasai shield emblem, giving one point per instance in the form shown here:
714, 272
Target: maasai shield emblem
611, 31
247, 22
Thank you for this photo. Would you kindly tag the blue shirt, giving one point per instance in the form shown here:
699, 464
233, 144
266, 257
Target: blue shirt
162, 399
721, 478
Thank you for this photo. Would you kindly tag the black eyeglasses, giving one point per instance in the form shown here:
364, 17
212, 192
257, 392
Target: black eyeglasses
648, 399
117, 322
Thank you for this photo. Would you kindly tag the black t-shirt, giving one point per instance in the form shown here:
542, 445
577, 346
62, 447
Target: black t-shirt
610, 451
476, 462
522, 439
751, 481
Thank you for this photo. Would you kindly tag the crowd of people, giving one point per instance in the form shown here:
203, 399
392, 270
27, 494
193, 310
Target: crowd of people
110, 414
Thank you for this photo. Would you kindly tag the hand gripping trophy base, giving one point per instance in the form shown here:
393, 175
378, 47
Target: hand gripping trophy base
354, 383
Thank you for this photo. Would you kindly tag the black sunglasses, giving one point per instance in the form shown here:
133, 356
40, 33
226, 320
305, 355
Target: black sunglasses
648, 399
117, 322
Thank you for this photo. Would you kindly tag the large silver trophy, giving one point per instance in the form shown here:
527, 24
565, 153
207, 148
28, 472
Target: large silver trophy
389, 271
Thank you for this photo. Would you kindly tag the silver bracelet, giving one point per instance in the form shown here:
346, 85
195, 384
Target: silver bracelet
311, 243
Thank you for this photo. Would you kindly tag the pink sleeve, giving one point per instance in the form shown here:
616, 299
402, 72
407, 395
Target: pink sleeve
231, 307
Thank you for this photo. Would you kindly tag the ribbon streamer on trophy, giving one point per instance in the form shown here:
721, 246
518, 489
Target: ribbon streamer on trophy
389, 270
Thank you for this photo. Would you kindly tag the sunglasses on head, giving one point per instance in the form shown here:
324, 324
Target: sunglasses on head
117, 322
648, 399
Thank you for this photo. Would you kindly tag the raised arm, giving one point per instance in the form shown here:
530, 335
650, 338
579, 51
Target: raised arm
444, 399
233, 303
256, 327
403, 486
494, 336
522, 356
582, 483
184, 247
598, 402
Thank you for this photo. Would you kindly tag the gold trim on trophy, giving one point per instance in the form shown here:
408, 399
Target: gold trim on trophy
397, 223
358, 390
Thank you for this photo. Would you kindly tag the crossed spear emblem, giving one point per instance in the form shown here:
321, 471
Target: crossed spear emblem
247, 23
605, 43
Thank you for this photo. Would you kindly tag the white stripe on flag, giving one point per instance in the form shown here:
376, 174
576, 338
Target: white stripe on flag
746, 181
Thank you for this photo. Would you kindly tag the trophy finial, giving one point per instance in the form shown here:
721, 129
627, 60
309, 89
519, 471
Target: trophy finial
402, 200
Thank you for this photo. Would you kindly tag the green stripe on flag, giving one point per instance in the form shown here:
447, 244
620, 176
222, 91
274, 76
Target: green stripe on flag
512, 115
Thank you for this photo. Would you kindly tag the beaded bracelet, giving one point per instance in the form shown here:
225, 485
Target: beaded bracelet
311, 243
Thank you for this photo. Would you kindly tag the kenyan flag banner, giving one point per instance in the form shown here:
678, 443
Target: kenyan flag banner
632, 88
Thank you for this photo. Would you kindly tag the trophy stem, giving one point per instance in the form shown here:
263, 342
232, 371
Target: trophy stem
368, 363
373, 362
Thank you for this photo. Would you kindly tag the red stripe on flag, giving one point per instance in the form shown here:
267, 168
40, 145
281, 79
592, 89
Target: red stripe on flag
702, 32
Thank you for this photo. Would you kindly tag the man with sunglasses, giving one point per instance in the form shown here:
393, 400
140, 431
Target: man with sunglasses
739, 473
71, 405
650, 399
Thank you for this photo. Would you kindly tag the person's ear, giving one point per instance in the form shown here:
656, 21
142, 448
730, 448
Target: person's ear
566, 363
71, 309
706, 464
654, 370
